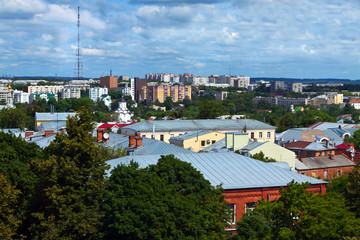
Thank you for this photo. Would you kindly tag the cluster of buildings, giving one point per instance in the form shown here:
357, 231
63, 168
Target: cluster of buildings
222, 151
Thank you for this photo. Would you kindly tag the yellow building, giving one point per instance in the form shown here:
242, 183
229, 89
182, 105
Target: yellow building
166, 129
161, 92
332, 98
196, 141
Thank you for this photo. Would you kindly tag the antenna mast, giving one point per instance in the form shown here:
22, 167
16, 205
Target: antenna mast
78, 71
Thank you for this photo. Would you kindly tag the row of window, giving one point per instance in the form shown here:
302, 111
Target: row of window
315, 173
268, 135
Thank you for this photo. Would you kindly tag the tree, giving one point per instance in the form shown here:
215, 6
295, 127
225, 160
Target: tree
253, 226
210, 109
353, 190
354, 139
169, 200
12, 118
8, 216
261, 156
69, 190
299, 214
168, 103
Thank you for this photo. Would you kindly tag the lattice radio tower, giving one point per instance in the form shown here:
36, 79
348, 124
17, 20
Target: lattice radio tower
78, 69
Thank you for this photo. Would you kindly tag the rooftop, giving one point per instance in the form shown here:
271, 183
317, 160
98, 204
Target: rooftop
52, 116
323, 162
231, 170
194, 125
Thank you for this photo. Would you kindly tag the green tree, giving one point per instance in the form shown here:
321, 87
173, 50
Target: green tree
353, 190
210, 109
168, 103
8, 216
69, 190
253, 225
354, 139
12, 118
299, 214
169, 200
261, 156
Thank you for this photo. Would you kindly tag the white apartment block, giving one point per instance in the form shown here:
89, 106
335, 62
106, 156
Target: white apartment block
97, 92
240, 82
20, 96
70, 92
43, 89
197, 81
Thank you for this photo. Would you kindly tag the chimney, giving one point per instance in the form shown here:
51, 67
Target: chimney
131, 140
29, 133
138, 134
327, 144
331, 156
63, 129
100, 134
138, 142
48, 132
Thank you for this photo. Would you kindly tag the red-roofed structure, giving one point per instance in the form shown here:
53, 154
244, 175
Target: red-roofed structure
115, 126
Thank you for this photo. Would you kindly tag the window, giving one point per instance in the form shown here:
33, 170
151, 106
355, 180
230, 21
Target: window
232, 208
303, 173
260, 134
161, 137
309, 154
143, 136
338, 173
249, 207
213, 141
268, 134
153, 136
172, 135
203, 143
252, 135
325, 174
314, 173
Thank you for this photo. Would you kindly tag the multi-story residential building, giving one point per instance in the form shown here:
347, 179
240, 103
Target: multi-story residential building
139, 88
355, 102
20, 96
97, 92
70, 92
44, 89
197, 81
109, 82
160, 92
326, 99
282, 101
241, 82
5, 93
295, 87
278, 85
196, 141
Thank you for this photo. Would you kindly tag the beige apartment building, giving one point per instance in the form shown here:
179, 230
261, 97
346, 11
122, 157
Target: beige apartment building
161, 92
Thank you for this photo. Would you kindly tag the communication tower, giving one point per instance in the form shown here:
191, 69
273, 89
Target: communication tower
78, 69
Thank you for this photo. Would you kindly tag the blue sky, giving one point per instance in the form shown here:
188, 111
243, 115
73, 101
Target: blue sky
256, 38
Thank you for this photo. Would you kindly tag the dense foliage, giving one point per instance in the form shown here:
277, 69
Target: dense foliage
299, 214
169, 200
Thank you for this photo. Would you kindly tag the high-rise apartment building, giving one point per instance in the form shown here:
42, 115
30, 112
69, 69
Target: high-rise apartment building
139, 88
109, 82
97, 92
162, 91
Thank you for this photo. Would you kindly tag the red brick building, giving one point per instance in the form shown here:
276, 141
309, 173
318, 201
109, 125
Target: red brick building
320, 159
109, 82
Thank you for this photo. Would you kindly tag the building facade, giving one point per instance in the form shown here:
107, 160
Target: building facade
97, 92
109, 82
161, 92
44, 89
70, 92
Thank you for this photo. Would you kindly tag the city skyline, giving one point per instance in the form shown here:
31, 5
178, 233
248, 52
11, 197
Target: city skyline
258, 38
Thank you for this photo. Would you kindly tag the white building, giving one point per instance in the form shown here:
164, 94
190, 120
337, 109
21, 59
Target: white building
20, 96
132, 86
197, 81
97, 92
70, 92
44, 89
124, 113
126, 91
107, 100
42, 95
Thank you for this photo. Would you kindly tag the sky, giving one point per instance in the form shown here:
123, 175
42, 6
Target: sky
256, 38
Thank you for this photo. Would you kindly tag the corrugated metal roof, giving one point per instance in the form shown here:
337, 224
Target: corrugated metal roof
194, 125
149, 146
252, 146
317, 146
52, 116
231, 170
323, 162
219, 146
54, 125
16, 131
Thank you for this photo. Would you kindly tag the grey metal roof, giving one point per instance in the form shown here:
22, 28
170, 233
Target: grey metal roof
16, 131
194, 125
317, 146
54, 125
52, 116
323, 162
41, 140
189, 135
231, 170
252, 146
149, 146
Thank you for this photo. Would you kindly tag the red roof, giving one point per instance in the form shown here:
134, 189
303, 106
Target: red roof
298, 144
345, 145
111, 125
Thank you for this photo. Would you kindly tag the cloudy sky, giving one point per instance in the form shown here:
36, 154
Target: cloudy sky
257, 38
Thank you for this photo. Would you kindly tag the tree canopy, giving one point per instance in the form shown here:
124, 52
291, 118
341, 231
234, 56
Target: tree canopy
169, 200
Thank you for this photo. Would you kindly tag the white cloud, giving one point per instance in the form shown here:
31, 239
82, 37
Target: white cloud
22, 6
2, 41
307, 50
114, 44
47, 37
